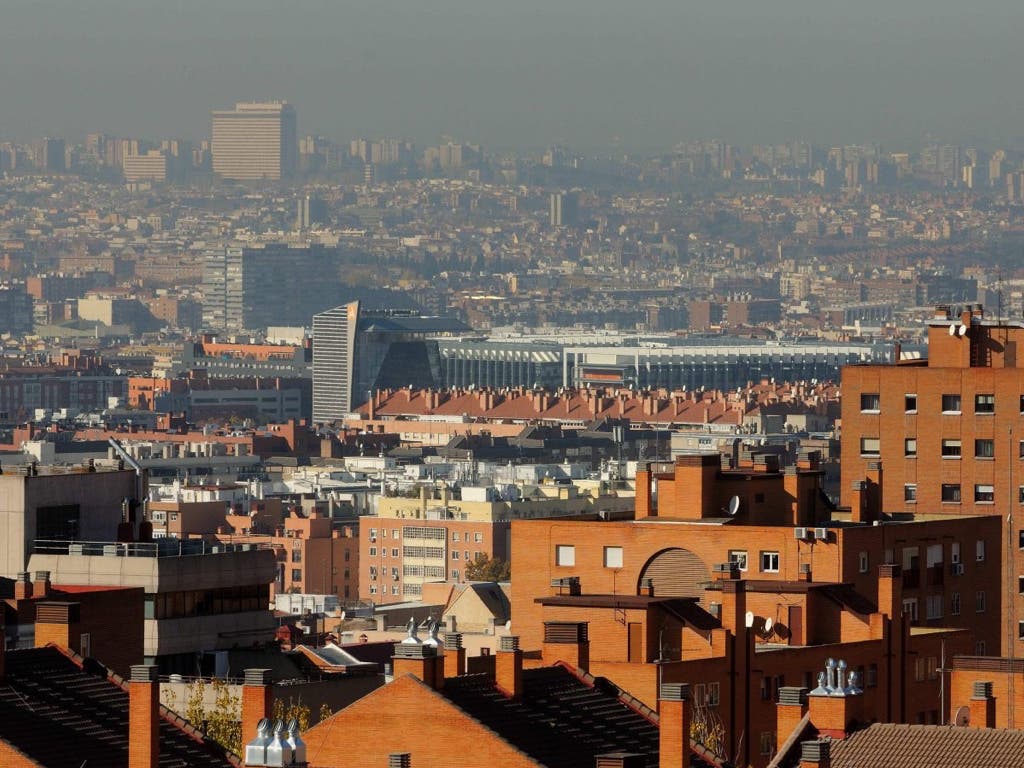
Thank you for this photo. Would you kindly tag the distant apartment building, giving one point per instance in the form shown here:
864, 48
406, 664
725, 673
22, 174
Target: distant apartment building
255, 141
355, 352
49, 154
564, 209
252, 287
412, 541
16, 310
151, 166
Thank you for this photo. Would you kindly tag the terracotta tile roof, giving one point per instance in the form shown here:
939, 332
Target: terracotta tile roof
62, 712
886, 745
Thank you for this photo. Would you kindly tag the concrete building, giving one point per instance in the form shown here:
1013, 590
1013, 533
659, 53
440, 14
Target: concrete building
564, 209
356, 352
151, 166
255, 141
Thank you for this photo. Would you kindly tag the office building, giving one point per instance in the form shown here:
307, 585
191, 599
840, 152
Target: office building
310, 212
946, 434
151, 166
16, 308
355, 352
255, 141
565, 209
50, 154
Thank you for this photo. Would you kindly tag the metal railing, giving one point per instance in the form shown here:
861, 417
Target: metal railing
158, 548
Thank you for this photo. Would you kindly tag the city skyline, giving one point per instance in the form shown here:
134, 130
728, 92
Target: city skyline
538, 75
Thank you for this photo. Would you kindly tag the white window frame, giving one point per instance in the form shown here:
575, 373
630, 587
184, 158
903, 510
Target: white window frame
613, 557
565, 555
739, 556
766, 558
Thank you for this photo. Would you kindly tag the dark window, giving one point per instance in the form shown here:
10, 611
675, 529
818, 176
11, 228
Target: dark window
910, 403
951, 403
984, 449
870, 401
951, 492
58, 522
951, 448
984, 403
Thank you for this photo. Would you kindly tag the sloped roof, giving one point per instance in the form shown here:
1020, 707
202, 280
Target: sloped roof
559, 721
885, 745
65, 712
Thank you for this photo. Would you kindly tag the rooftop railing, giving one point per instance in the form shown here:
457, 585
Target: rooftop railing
158, 548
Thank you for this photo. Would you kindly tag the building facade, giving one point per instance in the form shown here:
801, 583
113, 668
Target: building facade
255, 141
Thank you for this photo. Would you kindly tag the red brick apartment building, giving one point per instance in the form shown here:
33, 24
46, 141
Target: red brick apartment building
743, 605
945, 436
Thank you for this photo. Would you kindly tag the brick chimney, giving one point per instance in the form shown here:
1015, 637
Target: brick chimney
644, 498
144, 717
674, 725
41, 584
619, 760
815, 754
982, 706
789, 711
836, 705
23, 587
567, 641
420, 661
454, 655
257, 701
508, 666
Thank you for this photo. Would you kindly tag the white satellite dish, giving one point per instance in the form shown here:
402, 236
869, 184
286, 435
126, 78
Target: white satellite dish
342, 615
734, 506
952, 330
749, 619
768, 624
962, 331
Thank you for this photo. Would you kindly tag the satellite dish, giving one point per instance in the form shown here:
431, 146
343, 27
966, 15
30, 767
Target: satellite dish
963, 717
749, 619
768, 624
734, 506
343, 615
962, 331
952, 330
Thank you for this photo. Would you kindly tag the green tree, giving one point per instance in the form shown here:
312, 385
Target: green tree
489, 569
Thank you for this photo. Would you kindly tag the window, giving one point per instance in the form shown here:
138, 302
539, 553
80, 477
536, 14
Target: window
565, 554
870, 446
871, 676
951, 403
870, 401
1020, 630
85, 644
738, 556
478, 537
984, 449
984, 494
455, 575
296, 555
767, 742
296, 574
934, 607
910, 446
613, 557
1020, 585
394, 533
933, 555
394, 589
373, 551
910, 492
979, 601
863, 562
984, 403
455, 554
979, 550
455, 535
910, 403
383, 551
951, 449
714, 694
910, 608
954, 604
951, 492
394, 552
954, 552
979, 648
920, 672
770, 562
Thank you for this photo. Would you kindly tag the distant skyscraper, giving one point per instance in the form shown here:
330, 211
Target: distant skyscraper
49, 154
334, 345
565, 209
255, 141
152, 166
310, 211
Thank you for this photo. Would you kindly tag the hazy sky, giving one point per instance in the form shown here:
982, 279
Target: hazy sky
521, 72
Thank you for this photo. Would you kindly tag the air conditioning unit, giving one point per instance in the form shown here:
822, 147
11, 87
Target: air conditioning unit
799, 533
957, 569
821, 534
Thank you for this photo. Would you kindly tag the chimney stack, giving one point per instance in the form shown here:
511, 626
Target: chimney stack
23, 587
815, 754
41, 585
982, 706
837, 702
789, 711
508, 667
257, 702
567, 641
144, 716
674, 725
454, 655
419, 660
